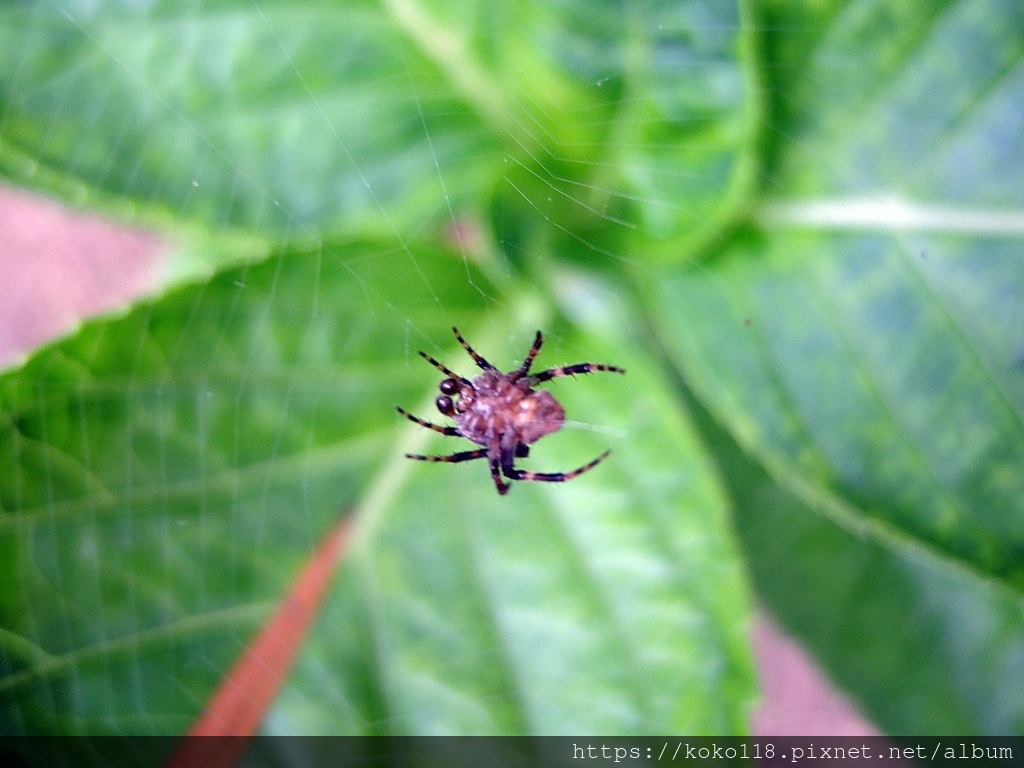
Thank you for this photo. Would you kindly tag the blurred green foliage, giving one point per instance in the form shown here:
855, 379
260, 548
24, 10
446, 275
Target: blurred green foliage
797, 225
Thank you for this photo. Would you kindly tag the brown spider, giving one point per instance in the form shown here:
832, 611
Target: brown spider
503, 413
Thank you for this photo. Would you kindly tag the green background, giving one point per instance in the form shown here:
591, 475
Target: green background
797, 225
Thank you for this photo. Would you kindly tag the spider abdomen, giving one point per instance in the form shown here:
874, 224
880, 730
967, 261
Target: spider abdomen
539, 414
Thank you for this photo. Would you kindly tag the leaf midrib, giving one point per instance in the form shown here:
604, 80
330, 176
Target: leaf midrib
889, 213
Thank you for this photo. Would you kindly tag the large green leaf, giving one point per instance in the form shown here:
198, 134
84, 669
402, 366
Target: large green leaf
290, 118
927, 644
916, 100
891, 408
863, 344
610, 606
859, 339
888, 390
166, 473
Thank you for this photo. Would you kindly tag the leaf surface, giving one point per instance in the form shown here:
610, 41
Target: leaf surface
608, 604
172, 469
167, 472
862, 344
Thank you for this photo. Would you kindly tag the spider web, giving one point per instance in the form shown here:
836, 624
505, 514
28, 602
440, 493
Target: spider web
417, 232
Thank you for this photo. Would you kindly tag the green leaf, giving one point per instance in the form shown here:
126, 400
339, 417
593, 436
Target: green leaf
608, 605
291, 119
927, 645
166, 473
915, 100
891, 407
858, 337
887, 391
863, 346
171, 469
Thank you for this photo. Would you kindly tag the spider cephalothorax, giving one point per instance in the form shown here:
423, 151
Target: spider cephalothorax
504, 413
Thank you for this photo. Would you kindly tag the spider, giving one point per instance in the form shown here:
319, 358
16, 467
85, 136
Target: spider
503, 413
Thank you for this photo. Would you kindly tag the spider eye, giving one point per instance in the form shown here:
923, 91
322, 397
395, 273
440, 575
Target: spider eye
449, 386
445, 405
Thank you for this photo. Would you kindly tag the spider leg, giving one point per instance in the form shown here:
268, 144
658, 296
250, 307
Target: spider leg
530, 356
572, 370
472, 352
496, 476
446, 371
450, 431
454, 458
553, 477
